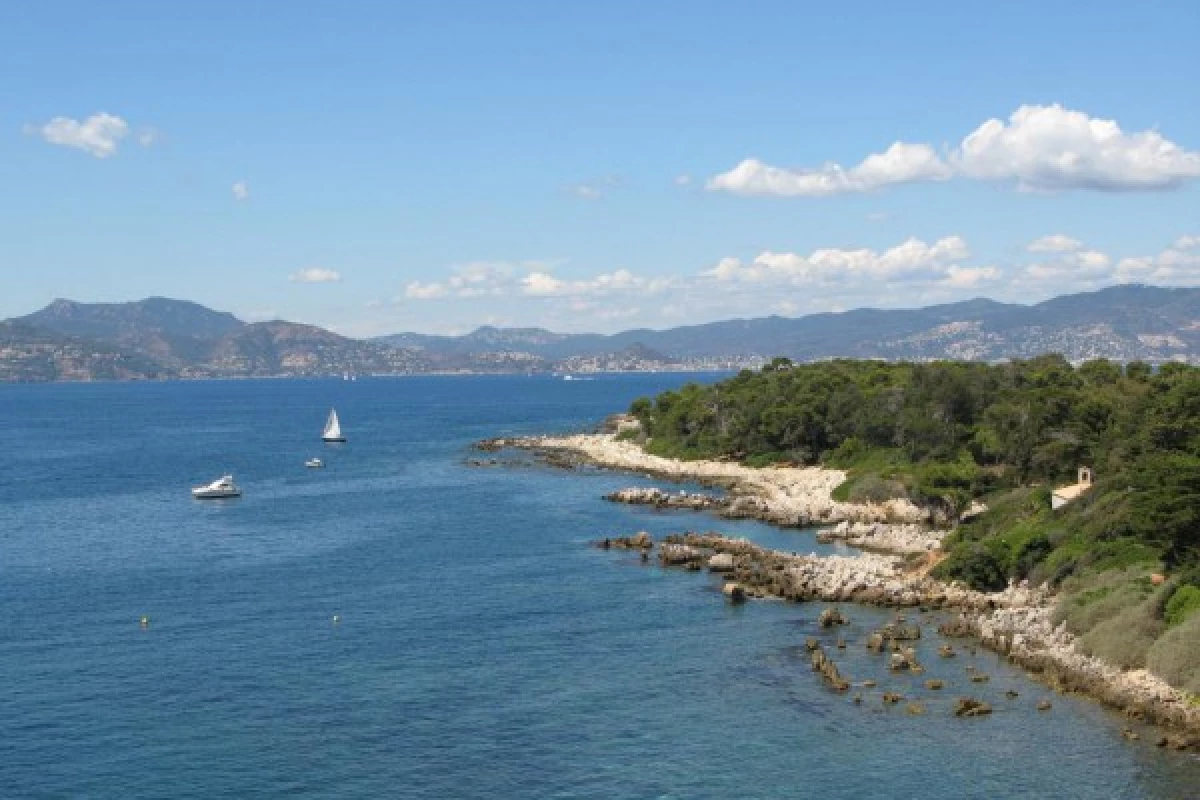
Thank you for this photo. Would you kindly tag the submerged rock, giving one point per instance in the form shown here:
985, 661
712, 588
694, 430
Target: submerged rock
830, 617
970, 707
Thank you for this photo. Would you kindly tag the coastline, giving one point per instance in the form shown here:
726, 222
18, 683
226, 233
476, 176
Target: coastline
898, 548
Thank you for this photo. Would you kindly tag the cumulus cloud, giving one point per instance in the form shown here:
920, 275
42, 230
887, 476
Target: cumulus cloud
1050, 147
416, 290
99, 134
1173, 266
900, 163
1187, 242
683, 180
912, 257
543, 284
1039, 148
969, 277
315, 275
241, 190
1054, 243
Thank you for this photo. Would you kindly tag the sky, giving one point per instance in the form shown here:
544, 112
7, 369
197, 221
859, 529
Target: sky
378, 167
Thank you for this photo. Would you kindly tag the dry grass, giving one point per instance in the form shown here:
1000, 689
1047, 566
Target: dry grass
1175, 657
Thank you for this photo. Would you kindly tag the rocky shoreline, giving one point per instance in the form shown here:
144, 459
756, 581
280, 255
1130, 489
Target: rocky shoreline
782, 495
1017, 622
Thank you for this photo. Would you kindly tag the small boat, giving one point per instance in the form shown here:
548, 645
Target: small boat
333, 429
221, 487
568, 377
314, 463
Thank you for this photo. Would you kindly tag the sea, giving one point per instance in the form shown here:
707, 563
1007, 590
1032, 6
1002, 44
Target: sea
405, 624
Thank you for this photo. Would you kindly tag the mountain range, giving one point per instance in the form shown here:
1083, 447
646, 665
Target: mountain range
160, 338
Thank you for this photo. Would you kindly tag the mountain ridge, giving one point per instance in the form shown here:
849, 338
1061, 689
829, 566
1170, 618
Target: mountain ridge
164, 338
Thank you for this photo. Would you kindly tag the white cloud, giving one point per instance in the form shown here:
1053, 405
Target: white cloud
683, 180
586, 191
1187, 242
1050, 147
99, 134
911, 258
1173, 266
148, 137
416, 290
1040, 148
786, 307
1054, 243
315, 275
969, 277
901, 163
543, 284
240, 190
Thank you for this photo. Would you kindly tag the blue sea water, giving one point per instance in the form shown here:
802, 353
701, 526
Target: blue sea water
483, 648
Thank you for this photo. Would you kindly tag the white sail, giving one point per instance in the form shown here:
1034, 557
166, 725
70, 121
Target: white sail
333, 429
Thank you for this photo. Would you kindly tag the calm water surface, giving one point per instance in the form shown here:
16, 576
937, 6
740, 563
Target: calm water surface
483, 649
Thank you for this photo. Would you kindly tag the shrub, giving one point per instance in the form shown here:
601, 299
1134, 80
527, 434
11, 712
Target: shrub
974, 565
869, 488
1126, 638
1093, 598
1032, 553
1175, 657
1183, 602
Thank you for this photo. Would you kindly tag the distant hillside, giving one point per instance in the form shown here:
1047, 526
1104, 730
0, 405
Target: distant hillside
29, 354
287, 348
162, 338
1123, 322
173, 331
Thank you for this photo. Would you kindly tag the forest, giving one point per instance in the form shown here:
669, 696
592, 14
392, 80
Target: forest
950, 434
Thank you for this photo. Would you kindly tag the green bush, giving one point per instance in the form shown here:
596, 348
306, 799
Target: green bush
1032, 553
1184, 602
974, 565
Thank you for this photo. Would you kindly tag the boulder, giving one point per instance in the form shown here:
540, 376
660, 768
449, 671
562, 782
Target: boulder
830, 617
734, 592
721, 562
970, 707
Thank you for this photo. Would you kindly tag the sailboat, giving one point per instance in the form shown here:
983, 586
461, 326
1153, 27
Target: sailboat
333, 429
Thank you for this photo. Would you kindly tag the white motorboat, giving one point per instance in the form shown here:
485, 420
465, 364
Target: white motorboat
333, 429
314, 463
221, 487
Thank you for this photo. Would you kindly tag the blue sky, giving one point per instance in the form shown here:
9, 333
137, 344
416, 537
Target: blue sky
376, 167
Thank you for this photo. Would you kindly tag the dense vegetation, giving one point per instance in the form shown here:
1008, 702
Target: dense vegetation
945, 434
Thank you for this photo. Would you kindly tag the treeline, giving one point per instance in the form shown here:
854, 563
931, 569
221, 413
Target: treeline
945, 433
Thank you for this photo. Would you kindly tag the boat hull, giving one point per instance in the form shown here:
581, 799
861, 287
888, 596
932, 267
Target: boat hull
333, 438
204, 494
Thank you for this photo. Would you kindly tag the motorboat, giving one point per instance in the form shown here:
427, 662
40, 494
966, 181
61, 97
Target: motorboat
314, 463
333, 428
221, 487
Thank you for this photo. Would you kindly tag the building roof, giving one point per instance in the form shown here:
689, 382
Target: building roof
1072, 491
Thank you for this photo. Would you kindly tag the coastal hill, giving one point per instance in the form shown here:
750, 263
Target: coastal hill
1085, 479
164, 338
1122, 322
160, 338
